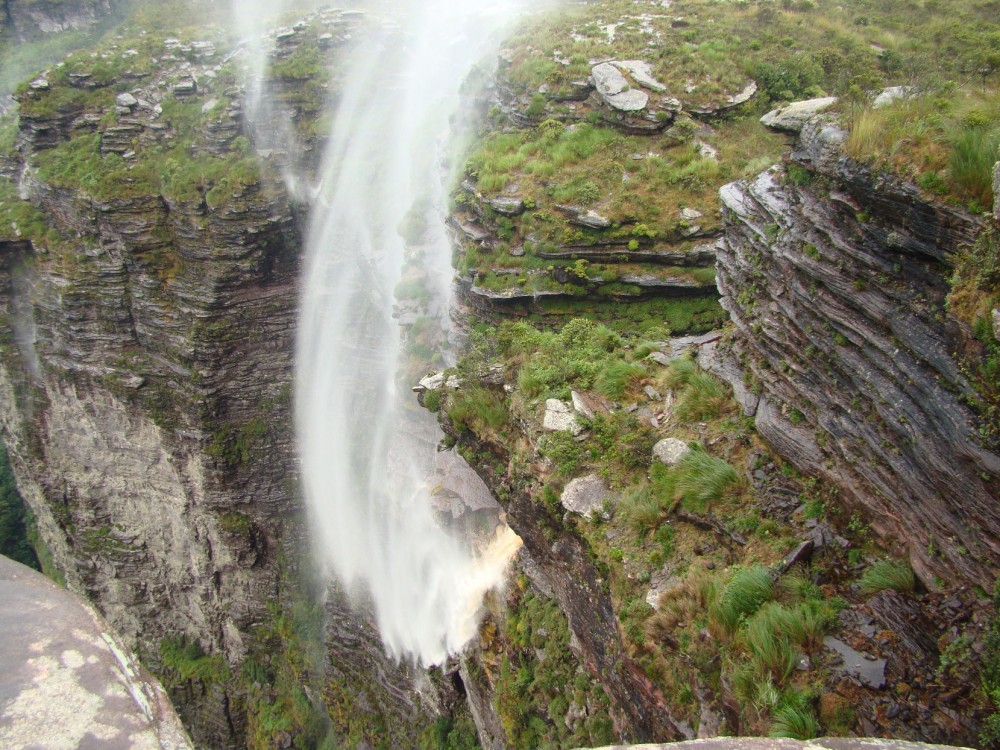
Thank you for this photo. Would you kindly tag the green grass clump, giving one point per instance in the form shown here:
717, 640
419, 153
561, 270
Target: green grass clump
746, 591
888, 574
478, 409
700, 396
697, 481
618, 378
794, 719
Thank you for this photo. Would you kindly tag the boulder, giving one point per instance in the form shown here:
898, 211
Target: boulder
614, 89
587, 495
892, 94
642, 73
996, 323
670, 451
126, 100
869, 671
581, 406
507, 205
690, 214
584, 217
559, 418
792, 117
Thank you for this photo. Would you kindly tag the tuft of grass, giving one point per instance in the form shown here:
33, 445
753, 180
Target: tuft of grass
888, 574
747, 590
697, 481
477, 409
794, 721
618, 378
700, 396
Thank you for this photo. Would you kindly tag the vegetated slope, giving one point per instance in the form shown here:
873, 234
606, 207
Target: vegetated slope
744, 589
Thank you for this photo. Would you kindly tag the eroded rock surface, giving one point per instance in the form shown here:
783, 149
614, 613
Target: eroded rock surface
837, 295
67, 680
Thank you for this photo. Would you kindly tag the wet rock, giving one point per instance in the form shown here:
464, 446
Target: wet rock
670, 451
559, 418
437, 381
868, 670
587, 495
792, 117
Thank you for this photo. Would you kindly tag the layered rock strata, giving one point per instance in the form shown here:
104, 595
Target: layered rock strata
836, 284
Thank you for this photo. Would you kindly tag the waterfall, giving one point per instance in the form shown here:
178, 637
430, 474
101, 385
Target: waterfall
367, 449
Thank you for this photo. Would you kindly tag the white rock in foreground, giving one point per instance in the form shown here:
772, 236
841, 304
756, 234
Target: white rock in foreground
793, 116
560, 418
670, 451
587, 495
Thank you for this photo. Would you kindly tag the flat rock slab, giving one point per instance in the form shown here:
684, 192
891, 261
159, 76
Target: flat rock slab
559, 417
792, 117
870, 672
614, 89
587, 495
67, 681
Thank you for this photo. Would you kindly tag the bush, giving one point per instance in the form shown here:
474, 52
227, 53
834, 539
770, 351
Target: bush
477, 409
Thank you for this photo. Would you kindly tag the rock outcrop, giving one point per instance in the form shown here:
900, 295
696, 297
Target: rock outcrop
31, 19
67, 678
836, 284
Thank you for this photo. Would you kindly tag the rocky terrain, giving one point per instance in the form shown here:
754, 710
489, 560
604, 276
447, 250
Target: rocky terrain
150, 274
150, 250
30, 19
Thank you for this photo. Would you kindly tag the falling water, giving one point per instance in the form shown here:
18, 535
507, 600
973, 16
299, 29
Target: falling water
365, 468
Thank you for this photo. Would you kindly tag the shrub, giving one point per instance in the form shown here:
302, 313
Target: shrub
477, 409
888, 574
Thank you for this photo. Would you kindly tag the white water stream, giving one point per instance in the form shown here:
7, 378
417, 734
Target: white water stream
366, 471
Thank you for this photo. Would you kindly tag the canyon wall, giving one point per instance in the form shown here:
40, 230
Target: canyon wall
836, 278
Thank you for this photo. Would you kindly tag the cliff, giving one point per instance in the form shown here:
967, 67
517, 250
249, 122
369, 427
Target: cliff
31, 19
150, 261
836, 278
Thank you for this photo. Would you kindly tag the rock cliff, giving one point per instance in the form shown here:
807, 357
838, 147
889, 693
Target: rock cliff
149, 261
30, 19
836, 278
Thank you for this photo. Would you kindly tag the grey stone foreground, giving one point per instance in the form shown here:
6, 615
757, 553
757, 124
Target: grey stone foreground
764, 743
67, 682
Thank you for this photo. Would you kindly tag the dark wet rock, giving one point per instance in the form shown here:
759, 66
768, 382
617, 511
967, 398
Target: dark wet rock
868, 670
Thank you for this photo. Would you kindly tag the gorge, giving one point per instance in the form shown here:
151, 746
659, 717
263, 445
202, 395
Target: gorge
224, 273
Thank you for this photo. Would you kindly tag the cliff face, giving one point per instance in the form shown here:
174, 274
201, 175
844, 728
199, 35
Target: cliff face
30, 19
835, 278
145, 389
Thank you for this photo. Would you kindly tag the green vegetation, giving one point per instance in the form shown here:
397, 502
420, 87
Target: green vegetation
15, 518
888, 574
544, 700
945, 140
286, 658
183, 663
